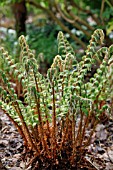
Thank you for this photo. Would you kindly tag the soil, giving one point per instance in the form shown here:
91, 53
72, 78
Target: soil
99, 155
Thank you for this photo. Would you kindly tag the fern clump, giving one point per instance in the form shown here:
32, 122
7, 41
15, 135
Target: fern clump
47, 117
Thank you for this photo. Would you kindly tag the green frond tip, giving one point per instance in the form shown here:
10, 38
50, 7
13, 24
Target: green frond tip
60, 35
1, 49
99, 34
58, 63
21, 39
64, 46
3, 52
97, 38
23, 44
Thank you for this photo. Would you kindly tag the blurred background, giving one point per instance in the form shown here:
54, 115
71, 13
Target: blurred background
41, 20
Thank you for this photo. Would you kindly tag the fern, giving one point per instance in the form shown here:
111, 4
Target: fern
47, 118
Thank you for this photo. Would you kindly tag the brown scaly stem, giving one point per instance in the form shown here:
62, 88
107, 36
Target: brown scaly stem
47, 123
86, 123
34, 134
18, 127
32, 160
54, 144
95, 122
19, 87
73, 137
80, 129
82, 134
73, 128
64, 130
46, 116
78, 137
41, 129
91, 133
87, 119
24, 126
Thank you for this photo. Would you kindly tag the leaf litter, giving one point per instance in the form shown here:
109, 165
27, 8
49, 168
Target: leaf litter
99, 154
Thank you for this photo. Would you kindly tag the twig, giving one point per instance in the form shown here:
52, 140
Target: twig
109, 157
101, 11
92, 163
32, 160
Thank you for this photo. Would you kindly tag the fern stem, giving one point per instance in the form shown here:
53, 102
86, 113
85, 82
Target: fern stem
64, 130
18, 128
24, 126
41, 129
91, 133
53, 123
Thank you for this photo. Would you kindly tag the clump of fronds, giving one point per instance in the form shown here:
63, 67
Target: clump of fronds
58, 109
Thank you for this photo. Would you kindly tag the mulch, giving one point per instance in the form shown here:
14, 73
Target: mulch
99, 154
